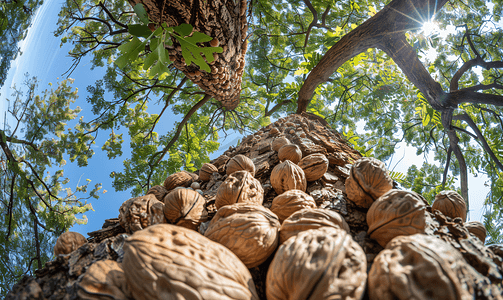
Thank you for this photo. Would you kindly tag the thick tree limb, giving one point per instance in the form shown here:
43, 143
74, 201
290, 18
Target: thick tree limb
447, 163
465, 96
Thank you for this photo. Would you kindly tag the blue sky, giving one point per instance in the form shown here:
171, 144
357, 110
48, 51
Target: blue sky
43, 57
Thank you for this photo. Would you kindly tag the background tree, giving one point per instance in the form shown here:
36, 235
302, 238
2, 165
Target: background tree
15, 18
36, 200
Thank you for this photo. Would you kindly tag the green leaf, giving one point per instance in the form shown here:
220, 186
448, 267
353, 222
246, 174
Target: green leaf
130, 51
183, 29
141, 13
192, 53
139, 30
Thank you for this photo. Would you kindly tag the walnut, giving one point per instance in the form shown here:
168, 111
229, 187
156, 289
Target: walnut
274, 131
140, 212
314, 166
396, 213
166, 261
451, 204
288, 176
323, 263
186, 208
291, 152
477, 229
206, 171
104, 279
183, 179
419, 267
240, 163
279, 142
291, 201
68, 242
306, 219
250, 231
368, 180
239, 187
159, 191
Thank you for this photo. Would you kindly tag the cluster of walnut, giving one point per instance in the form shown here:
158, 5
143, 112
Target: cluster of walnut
180, 247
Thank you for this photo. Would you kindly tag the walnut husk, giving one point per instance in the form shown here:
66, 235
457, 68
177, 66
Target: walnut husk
368, 180
186, 208
250, 231
171, 262
104, 280
291, 152
419, 267
323, 263
306, 219
240, 163
291, 201
140, 212
182, 179
206, 171
288, 176
314, 166
451, 204
279, 142
239, 187
477, 229
396, 213
159, 191
68, 242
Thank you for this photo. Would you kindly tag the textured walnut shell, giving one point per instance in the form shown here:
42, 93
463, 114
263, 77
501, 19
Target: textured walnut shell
140, 212
104, 279
186, 208
159, 191
206, 171
306, 219
250, 231
451, 204
239, 187
289, 202
240, 163
323, 263
183, 179
368, 180
288, 176
419, 267
477, 229
166, 261
279, 142
314, 166
291, 152
68, 242
396, 213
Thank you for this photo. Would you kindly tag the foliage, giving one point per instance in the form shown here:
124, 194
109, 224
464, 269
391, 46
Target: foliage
15, 18
36, 198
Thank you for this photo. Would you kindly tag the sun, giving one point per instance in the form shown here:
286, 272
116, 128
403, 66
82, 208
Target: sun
430, 28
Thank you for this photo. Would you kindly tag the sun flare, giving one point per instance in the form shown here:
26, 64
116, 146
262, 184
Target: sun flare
430, 28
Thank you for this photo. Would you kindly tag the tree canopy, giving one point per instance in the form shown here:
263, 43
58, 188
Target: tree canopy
346, 61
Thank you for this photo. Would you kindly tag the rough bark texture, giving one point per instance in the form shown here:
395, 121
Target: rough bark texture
225, 21
60, 278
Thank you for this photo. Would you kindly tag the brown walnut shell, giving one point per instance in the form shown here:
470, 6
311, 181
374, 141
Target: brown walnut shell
104, 279
68, 242
279, 142
314, 166
291, 201
419, 267
306, 219
288, 176
140, 212
206, 171
323, 263
239, 187
182, 179
291, 152
240, 163
396, 213
368, 180
159, 191
477, 229
250, 231
167, 261
451, 204
186, 208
